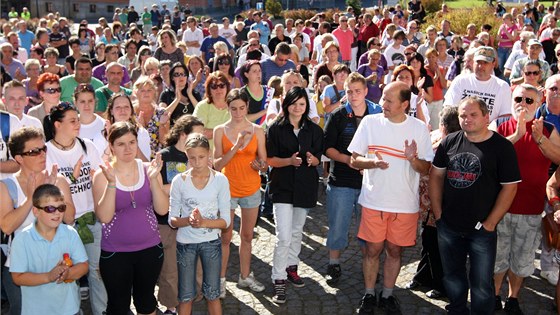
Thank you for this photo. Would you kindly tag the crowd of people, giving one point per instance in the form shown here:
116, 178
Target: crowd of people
128, 148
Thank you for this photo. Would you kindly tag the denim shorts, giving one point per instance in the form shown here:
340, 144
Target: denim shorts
252, 201
210, 254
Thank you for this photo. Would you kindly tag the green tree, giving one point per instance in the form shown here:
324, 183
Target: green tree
356, 5
273, 7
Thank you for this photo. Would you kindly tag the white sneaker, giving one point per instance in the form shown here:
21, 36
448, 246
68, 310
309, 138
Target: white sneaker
251, 283
550, 276
84, 293
222, 288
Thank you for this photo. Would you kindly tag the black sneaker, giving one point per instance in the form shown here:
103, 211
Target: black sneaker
367, 304
391, 305
293, 277
512, 307
498, 303
279, 292
333, 274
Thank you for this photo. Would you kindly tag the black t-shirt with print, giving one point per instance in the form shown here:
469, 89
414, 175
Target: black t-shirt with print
474, 175
174, 163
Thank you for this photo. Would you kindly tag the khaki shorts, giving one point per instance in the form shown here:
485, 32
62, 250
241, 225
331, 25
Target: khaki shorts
519, 236
398, 228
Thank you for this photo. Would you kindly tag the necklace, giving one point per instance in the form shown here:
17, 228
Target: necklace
131, 189
65, 147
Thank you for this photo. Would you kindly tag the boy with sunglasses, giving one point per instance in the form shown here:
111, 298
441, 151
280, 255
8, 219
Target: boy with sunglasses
47, 284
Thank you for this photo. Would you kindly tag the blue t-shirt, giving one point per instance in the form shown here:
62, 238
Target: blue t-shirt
331, 94
264, 31
207, 46
26, 40
30, 252
270, 68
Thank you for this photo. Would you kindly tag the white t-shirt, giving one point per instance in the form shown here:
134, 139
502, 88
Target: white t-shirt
495, 92
275, 108
227, 33
318, 47
94, 132
394, 189
81, 189
394, 57
189, 36
413, 108
14, 125
30, 121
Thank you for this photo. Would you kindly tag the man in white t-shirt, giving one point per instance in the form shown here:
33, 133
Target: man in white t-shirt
226, 31
495, 92
193, 37
15, 99
393, 149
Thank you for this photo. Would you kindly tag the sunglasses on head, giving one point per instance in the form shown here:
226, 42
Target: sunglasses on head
35, 152
52, 90
63, 106
85, 88
179, 75
52, 209
528, 100
215, 86
223, 62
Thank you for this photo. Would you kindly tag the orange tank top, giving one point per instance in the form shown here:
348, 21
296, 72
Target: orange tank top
243, 179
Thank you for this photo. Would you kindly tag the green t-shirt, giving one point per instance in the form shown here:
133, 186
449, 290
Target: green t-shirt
68, 84
13, 15
102, 96
146, 18
210, 115
26, 15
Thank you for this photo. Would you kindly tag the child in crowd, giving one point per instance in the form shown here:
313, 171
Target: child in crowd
48, 284
199, 207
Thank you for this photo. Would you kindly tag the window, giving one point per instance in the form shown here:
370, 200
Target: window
49, 6
92, 8
110, 9
76, 7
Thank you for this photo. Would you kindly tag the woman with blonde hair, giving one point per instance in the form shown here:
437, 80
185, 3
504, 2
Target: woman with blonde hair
331, 52
167, 49
300, 67
51, 57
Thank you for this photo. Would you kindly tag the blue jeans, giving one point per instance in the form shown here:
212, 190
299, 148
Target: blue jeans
210, 254
13, 291
97, 292
503, 54
342, 202
454, 247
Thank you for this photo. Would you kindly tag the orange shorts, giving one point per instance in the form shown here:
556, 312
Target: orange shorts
398, 228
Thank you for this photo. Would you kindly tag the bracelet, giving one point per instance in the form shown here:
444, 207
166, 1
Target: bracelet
539, 142
552, 200
111, 186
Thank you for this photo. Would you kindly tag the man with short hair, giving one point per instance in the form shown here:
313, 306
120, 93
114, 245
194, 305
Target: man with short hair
393, 149
277, 64
133, 16
278, 38
345, 37
536, 144
345, 181
495, 92
12, 66
26, 37
15, 99
114, 73
111, 55
207, 46
446, 31
472, 184
58, 40
20, 51
129, 59
82, 74
146, 21
193, 37
263, 48
261, 27
226, 31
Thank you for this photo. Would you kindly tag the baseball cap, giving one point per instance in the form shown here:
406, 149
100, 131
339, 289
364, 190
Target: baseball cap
533, 41
485, 53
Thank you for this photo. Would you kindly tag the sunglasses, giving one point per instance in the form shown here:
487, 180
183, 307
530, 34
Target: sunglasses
528, 100
52, 209
216, 86
179, 75
224, 62
147, 53
35, 152
52, 90
532, 72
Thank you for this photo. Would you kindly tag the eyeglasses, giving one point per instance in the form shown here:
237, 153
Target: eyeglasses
528, 100
377, 44
528, 73
179, 75
553, 89
343, 21
291, 71
35, 152
215, 86
52, 209
52, 90
146, 53
224, 62
84, 88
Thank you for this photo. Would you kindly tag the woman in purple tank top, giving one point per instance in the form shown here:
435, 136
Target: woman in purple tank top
126, 194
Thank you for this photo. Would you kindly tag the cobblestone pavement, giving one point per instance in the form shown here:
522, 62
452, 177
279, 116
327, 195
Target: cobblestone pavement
319, 298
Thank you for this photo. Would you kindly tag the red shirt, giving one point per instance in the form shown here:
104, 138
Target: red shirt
533, 166
368, 31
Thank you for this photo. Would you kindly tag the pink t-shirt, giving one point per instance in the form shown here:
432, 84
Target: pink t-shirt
507, 43
345, 39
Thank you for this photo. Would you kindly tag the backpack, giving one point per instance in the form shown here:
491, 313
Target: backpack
5, 239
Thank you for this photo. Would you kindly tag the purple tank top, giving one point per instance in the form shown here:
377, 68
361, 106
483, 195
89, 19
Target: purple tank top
132, 229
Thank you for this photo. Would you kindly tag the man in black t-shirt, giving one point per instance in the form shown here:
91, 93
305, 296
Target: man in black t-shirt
345, 182
472, 184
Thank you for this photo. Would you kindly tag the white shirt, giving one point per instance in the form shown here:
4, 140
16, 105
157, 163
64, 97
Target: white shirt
495, 92
30, 121
189, 36
94, 132
227, 33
